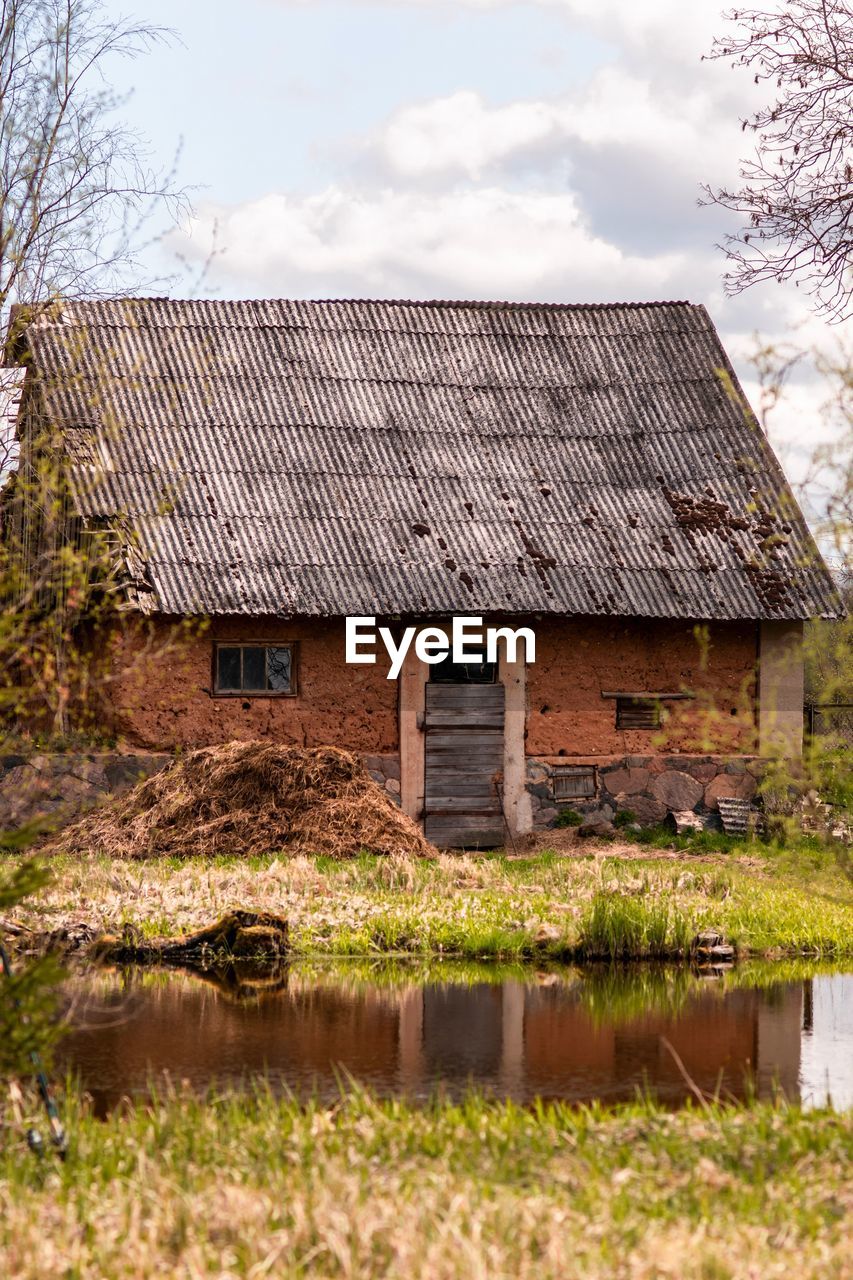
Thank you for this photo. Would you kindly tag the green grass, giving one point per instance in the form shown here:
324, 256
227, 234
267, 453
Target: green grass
250, 1185
618, 927
541, 907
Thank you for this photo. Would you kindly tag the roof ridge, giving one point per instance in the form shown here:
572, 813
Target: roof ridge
454, 303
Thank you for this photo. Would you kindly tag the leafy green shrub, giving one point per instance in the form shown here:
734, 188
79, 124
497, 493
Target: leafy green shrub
568, 818
658, 836
625, 818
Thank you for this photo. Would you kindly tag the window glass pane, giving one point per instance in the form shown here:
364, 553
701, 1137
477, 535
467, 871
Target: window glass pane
227, 668
254, 668
278, 669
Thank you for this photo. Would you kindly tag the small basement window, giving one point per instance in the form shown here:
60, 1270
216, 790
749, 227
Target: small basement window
638, 713
573, 782
261, 669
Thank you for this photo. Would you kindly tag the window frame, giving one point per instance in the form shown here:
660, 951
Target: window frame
582, 772
641, 698
292, 692
639, 705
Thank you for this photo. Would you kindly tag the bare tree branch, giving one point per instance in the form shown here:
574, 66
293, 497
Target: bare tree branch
796, 192
75, 185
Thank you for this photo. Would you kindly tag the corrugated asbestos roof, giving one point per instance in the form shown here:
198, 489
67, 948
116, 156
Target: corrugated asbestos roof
334, 458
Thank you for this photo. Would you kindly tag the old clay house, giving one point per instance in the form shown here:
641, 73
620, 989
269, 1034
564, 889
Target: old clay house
592, 472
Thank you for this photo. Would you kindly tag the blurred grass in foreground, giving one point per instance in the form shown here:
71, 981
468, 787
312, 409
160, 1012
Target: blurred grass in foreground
249, 1185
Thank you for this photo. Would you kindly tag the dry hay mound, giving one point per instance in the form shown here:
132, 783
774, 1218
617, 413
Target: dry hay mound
251, 798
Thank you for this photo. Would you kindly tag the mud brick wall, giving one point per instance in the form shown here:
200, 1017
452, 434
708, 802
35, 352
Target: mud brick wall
578, 658
649, 787
162, 699
161, 696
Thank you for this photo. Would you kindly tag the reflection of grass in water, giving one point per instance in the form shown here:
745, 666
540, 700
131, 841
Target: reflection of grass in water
614, 996
391, 973
769, 973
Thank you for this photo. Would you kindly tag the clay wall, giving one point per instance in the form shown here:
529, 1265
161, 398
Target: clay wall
578, 658
161, 693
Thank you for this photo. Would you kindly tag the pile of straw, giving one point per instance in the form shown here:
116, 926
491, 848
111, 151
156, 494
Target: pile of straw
249, 798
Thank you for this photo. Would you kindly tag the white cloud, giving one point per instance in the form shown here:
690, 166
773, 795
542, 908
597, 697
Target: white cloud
461, 134
481, 241
693, 133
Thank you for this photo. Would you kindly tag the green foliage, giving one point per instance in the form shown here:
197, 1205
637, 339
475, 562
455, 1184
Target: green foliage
661, 837
790, 899
568, 818
618, 926
28, 1023
625, 818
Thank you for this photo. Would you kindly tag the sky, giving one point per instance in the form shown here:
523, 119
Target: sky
545, 150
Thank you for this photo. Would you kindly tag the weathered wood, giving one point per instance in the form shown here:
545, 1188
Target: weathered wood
456, 837
454, 738
235, 936
463, 754
472, 765
459, 787
463, 804
448, 696
460, 718
465, 764
466, 768
464, 821
460, 826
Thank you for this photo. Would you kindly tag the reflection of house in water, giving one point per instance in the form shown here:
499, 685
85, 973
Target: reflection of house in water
511, 1039
543, 1041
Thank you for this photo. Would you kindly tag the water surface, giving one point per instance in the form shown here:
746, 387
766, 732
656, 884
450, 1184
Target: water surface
576, 1034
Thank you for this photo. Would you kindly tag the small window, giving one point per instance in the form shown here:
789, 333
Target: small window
259, 669
573, 782
637, 713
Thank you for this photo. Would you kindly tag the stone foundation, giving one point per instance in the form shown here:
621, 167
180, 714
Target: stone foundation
61, 786
649, 787
386, 771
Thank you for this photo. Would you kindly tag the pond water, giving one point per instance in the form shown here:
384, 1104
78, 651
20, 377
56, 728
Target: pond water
573, 1034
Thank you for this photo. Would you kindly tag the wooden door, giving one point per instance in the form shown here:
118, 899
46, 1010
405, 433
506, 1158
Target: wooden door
464, 756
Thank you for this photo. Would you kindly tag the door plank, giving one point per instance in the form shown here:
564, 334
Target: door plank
464, 751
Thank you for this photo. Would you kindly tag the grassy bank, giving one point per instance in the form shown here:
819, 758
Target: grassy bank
608, 903
252, 1186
